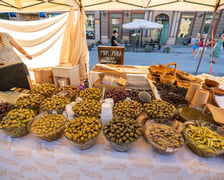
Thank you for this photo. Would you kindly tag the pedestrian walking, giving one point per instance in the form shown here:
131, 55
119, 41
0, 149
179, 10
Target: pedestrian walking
196, 44
217, 49
201, 46
114, 39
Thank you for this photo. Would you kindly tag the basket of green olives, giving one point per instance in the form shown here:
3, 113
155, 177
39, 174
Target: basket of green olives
49, 127
158, 109
31, 101
189, 113
88, 107
56, 103
15, 123
91, 93
163, 138
129, 109
83, 131
45, 89
122, 133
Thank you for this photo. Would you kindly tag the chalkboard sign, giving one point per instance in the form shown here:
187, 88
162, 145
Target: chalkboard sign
110, 55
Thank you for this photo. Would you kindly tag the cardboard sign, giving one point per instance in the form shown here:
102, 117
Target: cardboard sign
110, 55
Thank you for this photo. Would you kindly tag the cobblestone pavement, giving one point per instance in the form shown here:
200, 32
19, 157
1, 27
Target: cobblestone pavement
179, 54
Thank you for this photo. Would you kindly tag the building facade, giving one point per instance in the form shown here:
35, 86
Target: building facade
177, 26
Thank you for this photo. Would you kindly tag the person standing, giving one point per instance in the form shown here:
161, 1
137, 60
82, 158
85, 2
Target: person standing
217, 49
8, 55
114, 39
196, 44
201, 46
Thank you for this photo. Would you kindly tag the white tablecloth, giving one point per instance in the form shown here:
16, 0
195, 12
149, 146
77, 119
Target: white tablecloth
34, 159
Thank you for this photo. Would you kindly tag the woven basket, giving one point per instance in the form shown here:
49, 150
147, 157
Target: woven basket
159, 149
183, 83
200, 149
169, 77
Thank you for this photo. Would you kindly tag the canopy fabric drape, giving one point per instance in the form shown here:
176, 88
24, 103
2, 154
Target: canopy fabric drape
74, 48
41, 38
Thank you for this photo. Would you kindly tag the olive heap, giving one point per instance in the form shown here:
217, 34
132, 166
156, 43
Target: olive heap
49, 127
164, 136
134, 95
45, 89
83, 129
158, 109
31, 101
91, 93
16, 121
122, 131
130, 109
4, 108
116, 94
172, 94
89, 107
69, 91
57, 103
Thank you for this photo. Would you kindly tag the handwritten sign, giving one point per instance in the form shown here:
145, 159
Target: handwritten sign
110, 55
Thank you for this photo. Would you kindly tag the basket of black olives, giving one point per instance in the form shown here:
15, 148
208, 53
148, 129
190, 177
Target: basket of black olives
56, 103
15, 123
163, 138
122, 133
48, 127
4, 108
83, 131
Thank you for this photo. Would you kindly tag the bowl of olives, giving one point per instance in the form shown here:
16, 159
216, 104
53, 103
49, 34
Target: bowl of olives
49, 127
163, 138
83, 131
158, 109
91, 93
88, 107
56, 103
122, 133
15, 123
45, 89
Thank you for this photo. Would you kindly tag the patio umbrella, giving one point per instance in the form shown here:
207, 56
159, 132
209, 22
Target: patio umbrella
142, 24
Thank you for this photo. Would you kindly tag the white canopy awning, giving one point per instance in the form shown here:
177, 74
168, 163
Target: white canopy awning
64, 5
142, 24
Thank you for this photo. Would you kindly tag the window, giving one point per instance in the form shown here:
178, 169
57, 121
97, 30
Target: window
207, 22
185, 25
90, 26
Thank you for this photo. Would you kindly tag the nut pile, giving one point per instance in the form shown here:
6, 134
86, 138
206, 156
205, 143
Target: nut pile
116, 94
130, 109
47, 124
4, 108
16, 121
175, 89
31, 101
134, 95
88, 107
122, 131
69, 91
158, 109
82, 129
91, 93
45, 89
164, 136
57, 103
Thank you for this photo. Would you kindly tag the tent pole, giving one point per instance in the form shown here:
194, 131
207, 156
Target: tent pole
139, 43
203, 50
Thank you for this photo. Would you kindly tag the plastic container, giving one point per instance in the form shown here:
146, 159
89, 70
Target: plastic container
106, 112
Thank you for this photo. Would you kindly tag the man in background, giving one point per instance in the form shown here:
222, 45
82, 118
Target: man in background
113, 39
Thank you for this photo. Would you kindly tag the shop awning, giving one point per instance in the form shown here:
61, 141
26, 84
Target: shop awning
64, 5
